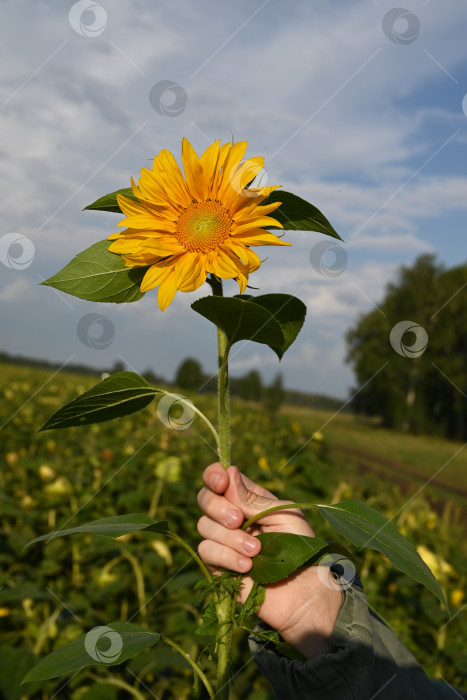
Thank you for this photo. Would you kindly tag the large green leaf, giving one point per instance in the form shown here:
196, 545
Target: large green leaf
118, 395
288, 311
101, 646
14, 664
96, 274
109, 201
296, 214
365, 527
241, 320
114, 526
282, 553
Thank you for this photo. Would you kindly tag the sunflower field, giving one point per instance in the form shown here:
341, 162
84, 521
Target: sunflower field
52, 593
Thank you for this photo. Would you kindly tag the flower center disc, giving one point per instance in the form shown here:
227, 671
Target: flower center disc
203, 226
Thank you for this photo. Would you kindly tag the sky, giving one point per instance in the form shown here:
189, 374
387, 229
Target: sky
359, 108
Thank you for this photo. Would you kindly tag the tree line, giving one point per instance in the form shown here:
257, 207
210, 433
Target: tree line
409, 355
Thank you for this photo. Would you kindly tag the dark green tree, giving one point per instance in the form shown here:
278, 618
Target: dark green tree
250, 387
414, 374
273, 395
189, 375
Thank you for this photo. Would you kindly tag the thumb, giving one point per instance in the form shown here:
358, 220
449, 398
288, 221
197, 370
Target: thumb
251, 499
248, 496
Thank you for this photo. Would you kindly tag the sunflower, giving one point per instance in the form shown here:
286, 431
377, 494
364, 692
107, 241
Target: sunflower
183, 227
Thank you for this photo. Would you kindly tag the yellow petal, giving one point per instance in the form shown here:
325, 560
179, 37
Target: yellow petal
154, 276
191, 272
249, 257
128, 206
233, 157
194, 174
254, 222
209, 160
163, 246
259, 237
167, 291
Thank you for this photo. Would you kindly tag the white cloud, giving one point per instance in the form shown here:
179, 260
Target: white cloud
358, 140
16, 291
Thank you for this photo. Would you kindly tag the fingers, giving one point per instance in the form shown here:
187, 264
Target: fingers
230, 497
221, 547
216, 478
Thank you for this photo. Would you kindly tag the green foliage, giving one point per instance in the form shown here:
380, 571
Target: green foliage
282, 553
288, 311
273, 395
241, 320
130, 640
249, 387
189, 375
364, 527
116, 396
96, 274
424, 393
295, 214
109, 468
114, 526
271, 319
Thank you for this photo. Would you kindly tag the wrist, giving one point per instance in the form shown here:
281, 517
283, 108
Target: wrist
312, 621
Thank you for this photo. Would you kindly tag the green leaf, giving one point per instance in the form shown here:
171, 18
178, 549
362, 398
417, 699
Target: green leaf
96, 274
365, 527
113, 526
102, 646
288, 311
109, 201
241, 320
118, 395
296, 214
210, 623
282, 553
253, 602
15, 662
24, 590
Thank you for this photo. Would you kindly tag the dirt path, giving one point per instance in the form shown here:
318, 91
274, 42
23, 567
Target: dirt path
366, 461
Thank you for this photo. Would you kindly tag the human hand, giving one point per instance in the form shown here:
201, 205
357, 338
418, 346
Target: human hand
303, 607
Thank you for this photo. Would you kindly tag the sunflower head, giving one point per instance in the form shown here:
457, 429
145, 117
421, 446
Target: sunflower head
204, 220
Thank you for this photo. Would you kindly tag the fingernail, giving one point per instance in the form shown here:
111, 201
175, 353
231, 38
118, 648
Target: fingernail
215, 480
244, 563
231, 517
251, 546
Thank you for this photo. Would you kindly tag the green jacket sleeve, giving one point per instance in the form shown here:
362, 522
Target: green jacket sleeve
366, 662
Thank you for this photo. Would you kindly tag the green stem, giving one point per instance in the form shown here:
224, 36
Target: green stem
192, 663
192, 553
284, 506
224, 608
190, 404
119, 684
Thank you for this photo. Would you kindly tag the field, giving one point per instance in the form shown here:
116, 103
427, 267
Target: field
50, 594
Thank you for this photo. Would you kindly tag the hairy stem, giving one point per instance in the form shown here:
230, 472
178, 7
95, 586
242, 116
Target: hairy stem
224, 607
